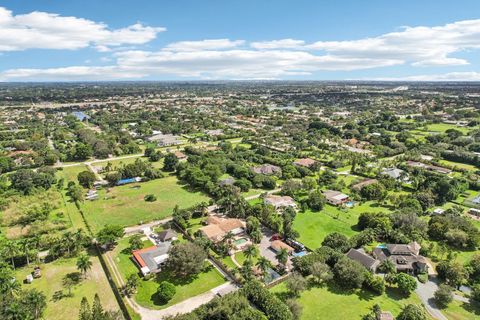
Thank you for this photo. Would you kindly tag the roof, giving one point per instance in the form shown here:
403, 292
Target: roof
360, 256
394, 173
179, 154
386, 315
167, 235
364, 183
305, 162
278, 244
152, 256
335, 196
217, 227
266, 169
280, 201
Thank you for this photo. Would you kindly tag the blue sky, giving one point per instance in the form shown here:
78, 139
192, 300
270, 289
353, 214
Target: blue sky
273, 39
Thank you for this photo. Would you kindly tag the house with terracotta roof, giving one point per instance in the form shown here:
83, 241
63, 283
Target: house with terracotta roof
278, 245
151, 259
304, 162
218, 227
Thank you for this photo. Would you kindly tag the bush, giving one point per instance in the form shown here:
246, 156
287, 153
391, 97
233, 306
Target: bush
423, 277
150, 198
166, 291
266, 301
444, 295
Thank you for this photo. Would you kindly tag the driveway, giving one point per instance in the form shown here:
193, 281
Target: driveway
425, 292
266, 251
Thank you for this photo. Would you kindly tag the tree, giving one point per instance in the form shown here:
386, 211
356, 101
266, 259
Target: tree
150, 198
132, 283
8, 284
316, 200
85, 312
295, 307
109, 235
170, 162
113, 178
86, 179
97, 308
321, 272
282, 256
82, 151
452, 272
166, 291
263, 264
374, 283
296, 283
84, 264
33, 303
444, 295
186, 259
374, 191
349, 273
250, 252
475, 295
70, 280
10, 250
406, 283
135, 242
412, 312
337, 241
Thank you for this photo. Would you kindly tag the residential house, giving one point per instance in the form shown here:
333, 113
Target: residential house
363, 258
218, 227
151, 259
335, 198
406, 257
267, 169
304, 162
393, 173
363, 183
280, 202
167, 235
278, 245
163, 140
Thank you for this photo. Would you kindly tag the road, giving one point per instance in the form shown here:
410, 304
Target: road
425, 292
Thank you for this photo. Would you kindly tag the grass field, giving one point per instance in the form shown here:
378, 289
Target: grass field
71, 173
314, 226
458, 165
125, 205
462, 311
442, 127
334, 303
51, 281
146, 292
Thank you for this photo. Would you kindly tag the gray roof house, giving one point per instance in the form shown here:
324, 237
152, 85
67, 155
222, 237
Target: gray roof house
365, 259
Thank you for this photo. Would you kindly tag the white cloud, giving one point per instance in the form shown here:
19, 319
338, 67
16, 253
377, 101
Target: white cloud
209, 44
420, 46
451, 76
42, 30
278, 44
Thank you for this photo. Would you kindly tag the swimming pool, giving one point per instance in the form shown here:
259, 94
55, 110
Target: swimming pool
350, 204
240, 241
382, 246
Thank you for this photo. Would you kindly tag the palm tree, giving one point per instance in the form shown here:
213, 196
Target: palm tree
264, 264
68, 241
282, 256
37, 302
84, 264
10, 250
24, 246
227, 240
250, 252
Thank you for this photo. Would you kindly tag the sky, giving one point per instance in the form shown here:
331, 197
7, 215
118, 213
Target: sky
51, 40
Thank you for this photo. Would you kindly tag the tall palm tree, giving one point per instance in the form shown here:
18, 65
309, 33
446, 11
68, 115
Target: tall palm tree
264, 264
10, 250
282, 256
227, 240
250, 252
84, 264
24, 245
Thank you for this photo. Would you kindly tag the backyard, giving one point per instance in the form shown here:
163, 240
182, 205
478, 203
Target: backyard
125, 206
66, 307
146, 291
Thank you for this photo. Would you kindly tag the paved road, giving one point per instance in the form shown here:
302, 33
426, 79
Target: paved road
426, 292
136, 229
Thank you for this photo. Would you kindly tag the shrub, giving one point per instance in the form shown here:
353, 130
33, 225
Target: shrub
166, 291
150, 198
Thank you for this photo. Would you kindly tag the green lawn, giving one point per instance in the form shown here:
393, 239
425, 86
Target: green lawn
462, 311
458, 165
51, 281
442, 127
125, 206
314, 226
146, 292
334, 303
71, 173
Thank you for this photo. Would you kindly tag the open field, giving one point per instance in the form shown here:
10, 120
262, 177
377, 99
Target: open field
51, 282
330, 302
71, 173
462, 311
124, 205
314, 226
146, 292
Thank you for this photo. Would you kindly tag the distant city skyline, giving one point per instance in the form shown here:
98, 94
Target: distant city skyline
241, 40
